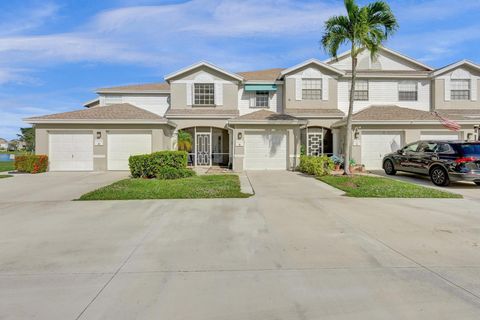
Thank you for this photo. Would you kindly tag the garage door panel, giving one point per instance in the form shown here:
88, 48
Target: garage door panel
266, 150
71, 151
439, 136
123, 145
375, 145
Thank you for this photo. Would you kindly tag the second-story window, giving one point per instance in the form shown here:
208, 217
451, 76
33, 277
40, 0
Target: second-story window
204, 94
407, 91
261, 99
460, 89
361, 90
312, 89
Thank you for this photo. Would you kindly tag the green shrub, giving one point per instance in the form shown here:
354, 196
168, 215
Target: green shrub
169, 173
31, 163
150, 165
317, 166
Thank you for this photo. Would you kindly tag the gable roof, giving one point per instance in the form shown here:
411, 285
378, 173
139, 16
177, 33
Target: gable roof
454, 66
392, 52
393, 113
314, 61
203, 64
159, 87
267, 116
258, 75
122, 113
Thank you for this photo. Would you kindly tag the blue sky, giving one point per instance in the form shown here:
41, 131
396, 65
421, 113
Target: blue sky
53, 54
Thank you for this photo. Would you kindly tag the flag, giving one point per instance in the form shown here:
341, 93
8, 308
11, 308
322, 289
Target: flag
447, 123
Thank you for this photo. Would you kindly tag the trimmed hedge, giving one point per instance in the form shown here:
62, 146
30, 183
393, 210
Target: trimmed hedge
31, 163
169, 173
317, 166
154, 165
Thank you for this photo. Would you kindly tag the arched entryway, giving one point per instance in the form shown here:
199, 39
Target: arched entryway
210, 146
317, 141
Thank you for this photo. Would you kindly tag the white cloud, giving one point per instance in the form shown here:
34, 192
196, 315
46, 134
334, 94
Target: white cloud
28, 18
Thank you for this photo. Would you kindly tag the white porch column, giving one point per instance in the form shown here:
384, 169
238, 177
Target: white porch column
335, 140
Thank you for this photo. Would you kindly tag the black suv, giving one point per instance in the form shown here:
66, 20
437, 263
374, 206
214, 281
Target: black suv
443, 161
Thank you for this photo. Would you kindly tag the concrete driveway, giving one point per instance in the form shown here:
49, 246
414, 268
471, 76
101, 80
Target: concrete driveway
55, 186
294, 251
467, 189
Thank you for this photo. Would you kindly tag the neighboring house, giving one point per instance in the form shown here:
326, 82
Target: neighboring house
3, 144
259, 119
16, 144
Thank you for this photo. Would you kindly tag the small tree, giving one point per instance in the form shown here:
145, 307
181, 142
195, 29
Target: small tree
28, 136
362, 28
184, 141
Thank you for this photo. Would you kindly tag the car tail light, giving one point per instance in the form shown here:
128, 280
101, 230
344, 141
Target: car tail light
466, 159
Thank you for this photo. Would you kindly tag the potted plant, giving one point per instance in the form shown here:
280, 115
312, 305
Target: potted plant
337, 161
352, 164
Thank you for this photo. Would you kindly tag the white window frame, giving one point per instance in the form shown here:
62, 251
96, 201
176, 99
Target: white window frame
455, 93
362, 91
204, 96
263, 95
407, 92
312, 89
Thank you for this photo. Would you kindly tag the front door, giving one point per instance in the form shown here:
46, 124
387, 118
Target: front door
203, 149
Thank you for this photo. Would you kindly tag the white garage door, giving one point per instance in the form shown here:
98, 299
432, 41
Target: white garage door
71, 151
439, 136
376, 144
266, 150
123, 145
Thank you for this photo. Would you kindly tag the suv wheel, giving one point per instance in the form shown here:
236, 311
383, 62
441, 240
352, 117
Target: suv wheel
477, 183
439, 176
389, 168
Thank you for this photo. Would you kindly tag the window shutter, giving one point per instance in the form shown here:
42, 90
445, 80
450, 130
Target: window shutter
325, 87
218, 94
252, 99
474, 88
189, 87
298, 89
447, 89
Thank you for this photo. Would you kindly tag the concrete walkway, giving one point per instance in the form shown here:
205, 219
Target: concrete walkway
296, 250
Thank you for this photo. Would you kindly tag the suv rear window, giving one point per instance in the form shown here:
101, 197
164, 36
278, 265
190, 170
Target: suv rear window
469, 149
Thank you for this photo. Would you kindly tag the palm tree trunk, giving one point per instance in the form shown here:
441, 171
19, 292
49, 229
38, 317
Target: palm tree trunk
348, 140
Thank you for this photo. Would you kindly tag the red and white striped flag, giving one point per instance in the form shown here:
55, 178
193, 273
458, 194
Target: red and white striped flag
447, 123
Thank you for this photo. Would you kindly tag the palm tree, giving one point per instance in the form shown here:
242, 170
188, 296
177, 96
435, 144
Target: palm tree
184, 141
362, 28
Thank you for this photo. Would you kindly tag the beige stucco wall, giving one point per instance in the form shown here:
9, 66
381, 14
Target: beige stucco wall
293, 143
440, 103
438, 92
188, 123
161, 137
178, 89
289, 92
292, 103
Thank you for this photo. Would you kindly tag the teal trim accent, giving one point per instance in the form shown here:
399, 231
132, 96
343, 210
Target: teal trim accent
260, 87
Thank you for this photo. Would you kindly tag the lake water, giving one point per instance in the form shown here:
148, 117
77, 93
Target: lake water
5, 157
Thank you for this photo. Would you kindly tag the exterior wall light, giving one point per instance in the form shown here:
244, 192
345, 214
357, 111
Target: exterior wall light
239, 136
99, 135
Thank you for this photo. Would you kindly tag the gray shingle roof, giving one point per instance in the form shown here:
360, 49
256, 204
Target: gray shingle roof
297, 112
147, 87
202, 111
266, 115
122, 111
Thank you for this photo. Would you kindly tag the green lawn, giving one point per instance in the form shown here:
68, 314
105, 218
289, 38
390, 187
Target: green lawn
207, 186
5, 176
377, 187
6, 166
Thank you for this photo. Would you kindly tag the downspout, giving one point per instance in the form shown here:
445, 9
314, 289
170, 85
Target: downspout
233, 144
306, 142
